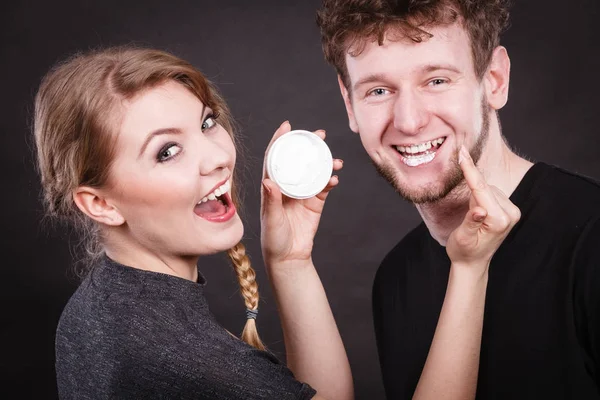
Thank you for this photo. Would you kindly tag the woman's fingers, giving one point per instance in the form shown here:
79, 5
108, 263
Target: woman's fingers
285, 127
333, 182
320, 133
272, 201
338, 164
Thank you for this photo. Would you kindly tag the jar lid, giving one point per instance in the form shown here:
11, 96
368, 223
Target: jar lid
300, 163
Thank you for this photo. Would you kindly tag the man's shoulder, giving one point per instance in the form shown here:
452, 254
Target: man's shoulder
573, 185
559, 192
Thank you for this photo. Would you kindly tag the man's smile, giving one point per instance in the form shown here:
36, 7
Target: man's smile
421, 153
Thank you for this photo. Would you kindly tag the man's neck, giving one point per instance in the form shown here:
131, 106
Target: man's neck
500, 167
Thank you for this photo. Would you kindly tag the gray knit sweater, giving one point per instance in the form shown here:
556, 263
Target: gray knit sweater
132, 334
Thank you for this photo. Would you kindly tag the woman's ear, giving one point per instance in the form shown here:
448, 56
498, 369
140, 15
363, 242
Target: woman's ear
92, 203
497, 78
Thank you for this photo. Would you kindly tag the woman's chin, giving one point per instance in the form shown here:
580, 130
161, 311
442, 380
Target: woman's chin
228, 238
236, 236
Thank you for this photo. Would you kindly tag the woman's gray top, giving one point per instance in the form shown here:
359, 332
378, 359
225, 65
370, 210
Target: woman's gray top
133, 334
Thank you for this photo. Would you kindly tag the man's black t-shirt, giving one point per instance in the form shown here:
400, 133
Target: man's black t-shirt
541, 333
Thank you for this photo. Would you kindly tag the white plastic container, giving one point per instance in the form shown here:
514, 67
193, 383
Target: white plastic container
300, 163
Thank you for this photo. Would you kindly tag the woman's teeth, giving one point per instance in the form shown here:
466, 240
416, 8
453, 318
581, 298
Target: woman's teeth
220, 191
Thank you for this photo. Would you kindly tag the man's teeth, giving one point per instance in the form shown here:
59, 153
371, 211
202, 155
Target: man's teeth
414, 161
220, 191
419, 148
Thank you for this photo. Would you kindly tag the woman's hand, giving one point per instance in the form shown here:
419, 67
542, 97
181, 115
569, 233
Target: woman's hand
288, 226
490, 218
314, 348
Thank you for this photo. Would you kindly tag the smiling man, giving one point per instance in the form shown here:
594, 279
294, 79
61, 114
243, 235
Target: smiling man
420, 79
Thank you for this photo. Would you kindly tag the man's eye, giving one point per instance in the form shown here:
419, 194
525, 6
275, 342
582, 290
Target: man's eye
377, 92
168, 152
437, 82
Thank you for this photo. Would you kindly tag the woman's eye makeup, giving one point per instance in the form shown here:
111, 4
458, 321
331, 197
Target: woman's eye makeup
210, 121
168, 151
172, 149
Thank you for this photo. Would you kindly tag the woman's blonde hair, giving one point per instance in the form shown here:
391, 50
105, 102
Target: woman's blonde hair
77, 109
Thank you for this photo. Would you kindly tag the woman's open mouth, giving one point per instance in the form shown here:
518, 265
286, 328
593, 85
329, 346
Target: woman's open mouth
217, 206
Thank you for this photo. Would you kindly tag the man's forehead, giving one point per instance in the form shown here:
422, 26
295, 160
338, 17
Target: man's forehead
455, 32
445, 45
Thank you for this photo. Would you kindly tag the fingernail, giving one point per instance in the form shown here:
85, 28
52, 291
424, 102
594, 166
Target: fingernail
288, 124
340, 160
335, 176
266, 187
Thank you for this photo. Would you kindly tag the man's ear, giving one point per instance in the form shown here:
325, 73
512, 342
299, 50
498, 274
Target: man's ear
92, 203
348, 104
497, 78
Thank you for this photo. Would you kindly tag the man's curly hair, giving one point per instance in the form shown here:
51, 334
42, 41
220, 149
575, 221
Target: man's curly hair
347, 25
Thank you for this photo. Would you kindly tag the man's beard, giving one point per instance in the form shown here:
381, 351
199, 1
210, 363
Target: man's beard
451, 178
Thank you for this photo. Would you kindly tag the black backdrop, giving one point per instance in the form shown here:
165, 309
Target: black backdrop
265, 56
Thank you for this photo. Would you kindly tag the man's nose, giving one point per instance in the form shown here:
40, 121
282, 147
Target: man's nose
410, 114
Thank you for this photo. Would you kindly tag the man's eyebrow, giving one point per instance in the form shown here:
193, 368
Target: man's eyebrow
437, 67
425, 69
369, 79
158, 132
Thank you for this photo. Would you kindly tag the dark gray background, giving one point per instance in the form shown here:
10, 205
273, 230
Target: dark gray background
265, 56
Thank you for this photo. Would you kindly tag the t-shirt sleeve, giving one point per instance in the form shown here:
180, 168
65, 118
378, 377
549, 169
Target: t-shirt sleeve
587, 296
